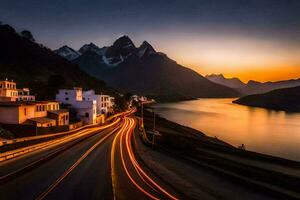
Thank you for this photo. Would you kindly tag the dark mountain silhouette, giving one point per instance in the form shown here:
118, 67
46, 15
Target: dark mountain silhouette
255, 87
37, 67
287, 99
252, 87
142, 70
229, 82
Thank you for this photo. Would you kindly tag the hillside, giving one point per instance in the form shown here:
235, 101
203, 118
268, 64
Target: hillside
37, 67
143, 70
287, 99
229, 82
252, 87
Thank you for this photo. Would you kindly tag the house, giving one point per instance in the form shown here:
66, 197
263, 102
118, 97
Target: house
61, 116
9, 92
86, 108
105, 103
111, 104
32, 112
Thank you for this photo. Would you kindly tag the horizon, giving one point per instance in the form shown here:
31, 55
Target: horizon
255, 40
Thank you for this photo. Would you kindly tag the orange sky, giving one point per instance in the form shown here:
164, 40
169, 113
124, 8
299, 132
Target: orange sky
248, 58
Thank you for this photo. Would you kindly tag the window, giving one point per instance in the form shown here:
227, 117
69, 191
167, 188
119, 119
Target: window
87, 114
25, 113
66, 93
67, 99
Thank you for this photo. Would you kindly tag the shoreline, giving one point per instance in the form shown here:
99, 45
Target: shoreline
169, 126
214, 162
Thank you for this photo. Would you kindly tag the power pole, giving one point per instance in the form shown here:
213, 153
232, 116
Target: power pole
142, 114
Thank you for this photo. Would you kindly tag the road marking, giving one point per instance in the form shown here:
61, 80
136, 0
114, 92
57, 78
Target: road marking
112, 161
56, 183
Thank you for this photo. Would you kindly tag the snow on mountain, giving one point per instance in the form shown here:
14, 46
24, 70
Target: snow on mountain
145, 49
67, 52
94, 48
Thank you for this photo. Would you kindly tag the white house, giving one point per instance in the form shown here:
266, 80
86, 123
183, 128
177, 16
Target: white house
86, 107
104, 103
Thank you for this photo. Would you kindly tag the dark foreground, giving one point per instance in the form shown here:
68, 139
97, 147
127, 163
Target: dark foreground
115, 163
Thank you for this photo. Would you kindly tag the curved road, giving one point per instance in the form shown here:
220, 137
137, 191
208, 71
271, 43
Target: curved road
102, 165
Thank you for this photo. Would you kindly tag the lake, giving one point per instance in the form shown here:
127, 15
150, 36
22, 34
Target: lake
266, 131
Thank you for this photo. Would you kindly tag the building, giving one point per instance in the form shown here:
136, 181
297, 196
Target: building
9, 92
86, 108
24, 95
61, 116
90, 107
37, 113
105, 103
111, 104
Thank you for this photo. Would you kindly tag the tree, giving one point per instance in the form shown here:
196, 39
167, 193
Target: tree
27, 34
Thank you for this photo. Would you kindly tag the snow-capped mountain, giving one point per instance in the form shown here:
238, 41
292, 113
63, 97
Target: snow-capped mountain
67, 52
92, 48
145, 49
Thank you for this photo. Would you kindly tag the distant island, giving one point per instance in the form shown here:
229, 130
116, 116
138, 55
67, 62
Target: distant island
286, 99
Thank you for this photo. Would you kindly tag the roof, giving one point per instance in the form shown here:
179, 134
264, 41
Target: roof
41, 120
57, 112
24, 103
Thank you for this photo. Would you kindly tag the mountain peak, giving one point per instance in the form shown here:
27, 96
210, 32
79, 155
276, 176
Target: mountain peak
91, 47
215, 75
124, 42
146, 49
67, 52
229, 82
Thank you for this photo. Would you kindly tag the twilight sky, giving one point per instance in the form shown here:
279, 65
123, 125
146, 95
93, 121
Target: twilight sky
250, 39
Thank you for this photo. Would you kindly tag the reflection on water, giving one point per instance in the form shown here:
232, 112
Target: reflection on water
266, 131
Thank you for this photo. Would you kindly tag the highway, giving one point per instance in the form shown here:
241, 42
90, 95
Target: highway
98, 165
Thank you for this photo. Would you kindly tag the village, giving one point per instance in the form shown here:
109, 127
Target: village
23, 115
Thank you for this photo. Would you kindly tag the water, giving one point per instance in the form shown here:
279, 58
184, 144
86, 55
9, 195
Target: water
266, 131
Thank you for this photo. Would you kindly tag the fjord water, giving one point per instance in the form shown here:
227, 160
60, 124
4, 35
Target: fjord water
266, 131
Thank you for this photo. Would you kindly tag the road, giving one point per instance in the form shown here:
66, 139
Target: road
102, 165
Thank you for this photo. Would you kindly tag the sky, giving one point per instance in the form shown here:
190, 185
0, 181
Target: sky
248, 39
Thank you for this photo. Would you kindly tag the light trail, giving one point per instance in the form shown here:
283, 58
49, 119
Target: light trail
126, 136
18, 152
58, 181
128, 174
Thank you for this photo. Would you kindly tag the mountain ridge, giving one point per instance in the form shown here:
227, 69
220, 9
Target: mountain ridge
252, 86
39, 68
143, 70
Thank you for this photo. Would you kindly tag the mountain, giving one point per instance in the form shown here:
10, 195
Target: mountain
252, 87
143, 70
255, 87
37, 67
67, 52
229, 82
287, 99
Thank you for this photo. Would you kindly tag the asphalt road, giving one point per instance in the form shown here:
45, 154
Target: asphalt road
102, 166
